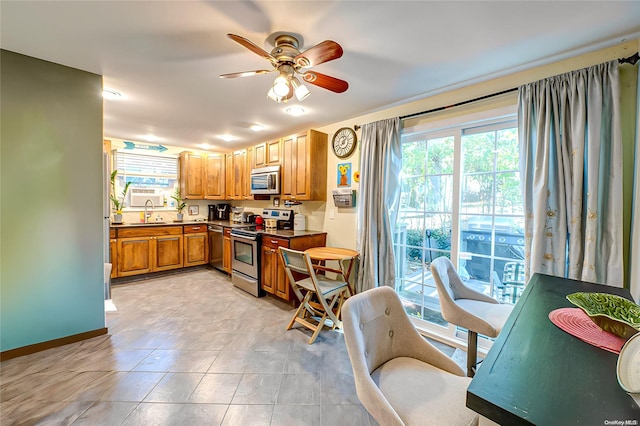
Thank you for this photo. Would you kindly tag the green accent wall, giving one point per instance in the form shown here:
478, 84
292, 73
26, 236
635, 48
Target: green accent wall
51, 227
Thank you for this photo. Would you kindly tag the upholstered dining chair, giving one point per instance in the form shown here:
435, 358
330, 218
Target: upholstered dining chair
320, 297
401, 378
467, 308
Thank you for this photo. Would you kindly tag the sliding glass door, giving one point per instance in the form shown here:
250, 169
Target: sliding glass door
461, 199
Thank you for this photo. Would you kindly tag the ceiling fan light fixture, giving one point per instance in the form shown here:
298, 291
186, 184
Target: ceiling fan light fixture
281, 86
300, 89
272, 95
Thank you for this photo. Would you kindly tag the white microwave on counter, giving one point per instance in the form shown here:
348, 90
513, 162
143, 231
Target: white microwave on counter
265, 181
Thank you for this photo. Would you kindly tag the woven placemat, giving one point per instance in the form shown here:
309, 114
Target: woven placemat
575, 322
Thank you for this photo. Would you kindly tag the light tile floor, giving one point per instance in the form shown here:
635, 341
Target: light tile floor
187, 349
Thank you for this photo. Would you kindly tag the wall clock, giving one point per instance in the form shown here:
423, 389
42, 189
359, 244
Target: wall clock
344, 142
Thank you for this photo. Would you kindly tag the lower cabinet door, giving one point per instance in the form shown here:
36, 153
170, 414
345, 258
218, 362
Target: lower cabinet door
274, 278
113, 257
134, 256
269, 265
226, 251
168, 252
196, 249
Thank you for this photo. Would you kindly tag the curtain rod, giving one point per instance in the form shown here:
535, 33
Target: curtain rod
630, 60
459, 103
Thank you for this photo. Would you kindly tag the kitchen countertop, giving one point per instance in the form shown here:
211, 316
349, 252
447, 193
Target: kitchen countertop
288, 233
282, 233
225, 223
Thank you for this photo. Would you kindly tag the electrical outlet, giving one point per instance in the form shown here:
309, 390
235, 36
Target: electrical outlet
332, 214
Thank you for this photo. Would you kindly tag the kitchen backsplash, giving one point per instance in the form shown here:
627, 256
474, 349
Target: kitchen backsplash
198, 210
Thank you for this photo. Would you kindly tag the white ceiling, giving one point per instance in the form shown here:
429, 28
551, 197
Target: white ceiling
165, 57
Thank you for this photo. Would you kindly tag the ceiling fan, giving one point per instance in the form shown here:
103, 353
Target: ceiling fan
288, 61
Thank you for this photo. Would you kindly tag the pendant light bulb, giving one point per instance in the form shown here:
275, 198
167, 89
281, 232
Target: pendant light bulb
281, 86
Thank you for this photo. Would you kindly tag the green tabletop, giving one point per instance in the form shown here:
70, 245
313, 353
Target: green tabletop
536, 373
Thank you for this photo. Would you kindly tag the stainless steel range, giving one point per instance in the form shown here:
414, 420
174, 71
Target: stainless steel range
245, 259
246, 245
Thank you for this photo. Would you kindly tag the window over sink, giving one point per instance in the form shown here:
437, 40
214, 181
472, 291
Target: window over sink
152, 177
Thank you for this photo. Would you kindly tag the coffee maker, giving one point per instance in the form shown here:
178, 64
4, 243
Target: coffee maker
219, 211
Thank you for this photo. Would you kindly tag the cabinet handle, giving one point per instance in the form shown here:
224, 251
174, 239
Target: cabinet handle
196, 229
274, 242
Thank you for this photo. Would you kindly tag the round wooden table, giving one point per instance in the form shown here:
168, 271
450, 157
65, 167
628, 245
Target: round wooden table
323, 254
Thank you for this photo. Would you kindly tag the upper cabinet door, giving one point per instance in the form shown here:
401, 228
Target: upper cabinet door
215, 177
239, 166
250, 164
273, 152
268, 154
260, 155
230, 178
192, 176
301, 181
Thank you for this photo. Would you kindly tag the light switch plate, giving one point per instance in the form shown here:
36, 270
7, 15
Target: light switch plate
332, 214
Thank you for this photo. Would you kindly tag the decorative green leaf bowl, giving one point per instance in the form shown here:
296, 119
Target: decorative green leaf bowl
611, 313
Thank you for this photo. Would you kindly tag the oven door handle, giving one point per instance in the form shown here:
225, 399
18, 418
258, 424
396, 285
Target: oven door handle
244, 237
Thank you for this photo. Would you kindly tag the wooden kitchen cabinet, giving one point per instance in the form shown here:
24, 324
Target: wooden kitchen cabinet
249, 165
149, 249
230, 182
113, 253
214, 188
192, 167
239, 167
304, 167
273, 278
226, 250
202, 177
268, 154
237, 173
135, 256
166, 252
196, 245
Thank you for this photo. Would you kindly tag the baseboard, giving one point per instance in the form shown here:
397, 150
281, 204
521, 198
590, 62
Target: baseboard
49, 344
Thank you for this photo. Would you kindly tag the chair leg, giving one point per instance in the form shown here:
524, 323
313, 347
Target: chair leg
303, 304
338, 312
318, 329
472, 352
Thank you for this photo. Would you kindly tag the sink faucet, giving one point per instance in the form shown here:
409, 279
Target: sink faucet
146, 215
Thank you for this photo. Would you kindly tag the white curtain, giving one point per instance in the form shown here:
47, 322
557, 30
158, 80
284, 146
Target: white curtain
571, 174
634, 257
380, 166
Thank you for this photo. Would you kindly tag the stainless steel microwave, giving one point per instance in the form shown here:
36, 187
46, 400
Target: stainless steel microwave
265, 180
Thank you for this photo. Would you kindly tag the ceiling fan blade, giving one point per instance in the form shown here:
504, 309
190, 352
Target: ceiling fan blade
252, 47
325, 81
322, 52
245, 73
